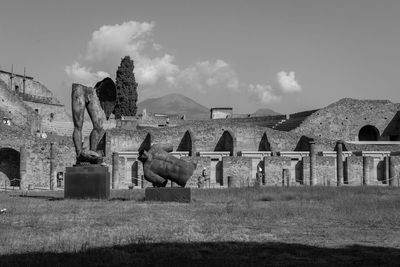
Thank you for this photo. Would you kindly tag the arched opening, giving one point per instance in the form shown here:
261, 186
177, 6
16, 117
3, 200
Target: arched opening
303, 144
146, 144
368, 133
264, 144
225, 143
186, 143
9, 166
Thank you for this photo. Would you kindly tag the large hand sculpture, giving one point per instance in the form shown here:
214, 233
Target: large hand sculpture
85, 97
159, 167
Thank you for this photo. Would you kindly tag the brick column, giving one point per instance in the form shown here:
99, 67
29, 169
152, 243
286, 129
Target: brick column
115, 170
386, 170
393, 180
313, 160
367, 166
52, 165
339, 163
23, 155
286, 177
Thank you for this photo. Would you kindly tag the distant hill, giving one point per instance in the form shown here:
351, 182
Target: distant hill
265, 112
175, 104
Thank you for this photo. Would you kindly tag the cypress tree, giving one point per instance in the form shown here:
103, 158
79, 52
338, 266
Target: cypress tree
126, 89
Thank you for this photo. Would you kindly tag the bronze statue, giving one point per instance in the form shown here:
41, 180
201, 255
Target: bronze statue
159, 166
85, 97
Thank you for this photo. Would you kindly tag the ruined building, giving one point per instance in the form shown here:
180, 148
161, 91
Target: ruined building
350, 142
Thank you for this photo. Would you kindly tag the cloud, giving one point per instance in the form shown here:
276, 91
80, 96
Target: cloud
156, 69
264, 94
84, 75
207, 74
287, 82
128, 38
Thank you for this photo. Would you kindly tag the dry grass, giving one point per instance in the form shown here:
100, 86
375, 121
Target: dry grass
303, 225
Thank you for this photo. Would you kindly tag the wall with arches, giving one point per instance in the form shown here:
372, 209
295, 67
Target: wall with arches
344, 119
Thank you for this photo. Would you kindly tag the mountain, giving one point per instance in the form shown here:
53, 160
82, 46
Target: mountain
175, 104
265, 112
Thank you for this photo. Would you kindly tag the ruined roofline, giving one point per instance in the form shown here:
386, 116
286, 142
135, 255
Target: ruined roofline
18, 75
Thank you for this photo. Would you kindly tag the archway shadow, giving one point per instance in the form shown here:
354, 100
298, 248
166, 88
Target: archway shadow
303, 144
9, 165
145, 253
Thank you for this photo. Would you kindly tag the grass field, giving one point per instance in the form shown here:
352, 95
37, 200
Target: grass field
299, 226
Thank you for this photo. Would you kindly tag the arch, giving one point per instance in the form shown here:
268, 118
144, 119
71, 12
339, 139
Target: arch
226, 143
303, 144
186, 143
146, 144
264, 144
9, 165
368, 133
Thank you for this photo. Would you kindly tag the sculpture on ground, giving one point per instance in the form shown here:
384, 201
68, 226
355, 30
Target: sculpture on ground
159, 166
85, 97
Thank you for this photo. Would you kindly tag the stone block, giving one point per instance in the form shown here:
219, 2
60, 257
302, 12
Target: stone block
171, 194
87, 182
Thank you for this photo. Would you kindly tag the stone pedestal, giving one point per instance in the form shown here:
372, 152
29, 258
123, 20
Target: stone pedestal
92, 181
168, 194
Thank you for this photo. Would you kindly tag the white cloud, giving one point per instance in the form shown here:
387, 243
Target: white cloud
151, 70
262, 93
84, 75
205, 74
128, 38
153, 66
287, 82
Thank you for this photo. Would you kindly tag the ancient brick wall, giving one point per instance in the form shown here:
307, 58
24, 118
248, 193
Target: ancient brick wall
396, 162
202, 162
32, 87
45, 110
325, 171
345, 118
206, 137
353, 170
240, 171
11, 106
273, 168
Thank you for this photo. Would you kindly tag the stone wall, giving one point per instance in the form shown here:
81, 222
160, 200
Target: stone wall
32, 87
206, 138
38, 154
353, 170
344, 119
325, 171
396, 162
58, 112
273, 168
240, 171
202, 162
21, 115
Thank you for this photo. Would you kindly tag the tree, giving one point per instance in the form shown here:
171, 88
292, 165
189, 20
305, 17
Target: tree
126, 89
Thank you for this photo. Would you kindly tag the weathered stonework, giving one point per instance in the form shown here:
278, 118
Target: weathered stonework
240, 169
202, 162
325, 171
273, 170
353, 174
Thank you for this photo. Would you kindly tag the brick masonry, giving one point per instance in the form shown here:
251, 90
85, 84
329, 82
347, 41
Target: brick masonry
273, 168
325, 171
240, 171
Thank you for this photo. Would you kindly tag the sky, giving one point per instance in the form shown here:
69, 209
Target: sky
287, 55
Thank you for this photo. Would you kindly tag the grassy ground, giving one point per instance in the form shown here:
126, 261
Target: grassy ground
231, 227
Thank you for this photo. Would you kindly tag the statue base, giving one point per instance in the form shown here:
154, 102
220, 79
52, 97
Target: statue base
90, 182
172, 194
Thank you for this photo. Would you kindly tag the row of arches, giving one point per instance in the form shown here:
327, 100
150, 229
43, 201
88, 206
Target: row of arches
226, 142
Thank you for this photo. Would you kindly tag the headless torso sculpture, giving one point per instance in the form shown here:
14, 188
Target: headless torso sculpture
85, 97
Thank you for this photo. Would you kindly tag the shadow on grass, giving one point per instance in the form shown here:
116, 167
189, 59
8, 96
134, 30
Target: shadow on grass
212, 254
